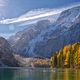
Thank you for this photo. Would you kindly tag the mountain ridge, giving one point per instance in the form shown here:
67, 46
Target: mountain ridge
51, 38
6, 54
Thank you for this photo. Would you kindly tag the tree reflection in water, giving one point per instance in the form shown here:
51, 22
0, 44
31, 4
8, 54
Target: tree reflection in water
65, 74
39, 74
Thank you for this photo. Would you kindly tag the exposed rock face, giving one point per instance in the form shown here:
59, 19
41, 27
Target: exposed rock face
44, 38
21, 41
6, 54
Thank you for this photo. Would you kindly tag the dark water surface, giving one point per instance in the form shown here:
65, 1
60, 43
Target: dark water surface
39, 74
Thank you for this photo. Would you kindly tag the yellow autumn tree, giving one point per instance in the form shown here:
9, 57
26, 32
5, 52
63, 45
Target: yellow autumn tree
78, 52
66, 55
69, 56
60, 58
53, 60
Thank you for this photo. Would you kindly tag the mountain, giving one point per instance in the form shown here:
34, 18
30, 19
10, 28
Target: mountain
44, 38
11, 26
67, 57
6, 54
25, 36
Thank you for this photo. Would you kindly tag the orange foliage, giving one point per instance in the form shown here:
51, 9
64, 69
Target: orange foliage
69, 55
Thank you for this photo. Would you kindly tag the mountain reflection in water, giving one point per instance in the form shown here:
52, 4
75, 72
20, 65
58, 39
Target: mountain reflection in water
39, 74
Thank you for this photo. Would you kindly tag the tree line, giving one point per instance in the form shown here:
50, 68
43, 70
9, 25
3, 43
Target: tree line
67, 57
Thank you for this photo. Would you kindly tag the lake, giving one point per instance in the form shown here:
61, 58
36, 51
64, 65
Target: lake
39, 74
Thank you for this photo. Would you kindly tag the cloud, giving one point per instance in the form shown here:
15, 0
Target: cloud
31, 16
3, 3
36, 14
7, 35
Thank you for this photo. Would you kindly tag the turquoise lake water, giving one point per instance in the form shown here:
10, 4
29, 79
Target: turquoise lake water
39, 74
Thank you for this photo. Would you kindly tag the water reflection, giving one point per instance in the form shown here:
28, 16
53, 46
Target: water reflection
39, 74
6, 74
65, 74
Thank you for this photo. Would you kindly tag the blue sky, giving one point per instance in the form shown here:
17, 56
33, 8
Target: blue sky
14, 8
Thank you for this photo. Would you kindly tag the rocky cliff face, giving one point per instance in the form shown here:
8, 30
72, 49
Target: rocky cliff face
43, 38
6, 54
21, 41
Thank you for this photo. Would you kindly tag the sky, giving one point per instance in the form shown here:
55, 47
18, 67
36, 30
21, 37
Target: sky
14, 8
10, 9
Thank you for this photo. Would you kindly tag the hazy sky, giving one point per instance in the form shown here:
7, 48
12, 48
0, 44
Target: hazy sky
14, 8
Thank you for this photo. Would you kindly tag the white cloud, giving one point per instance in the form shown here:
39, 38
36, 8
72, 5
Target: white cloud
33, 15
7, 35
3, 3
